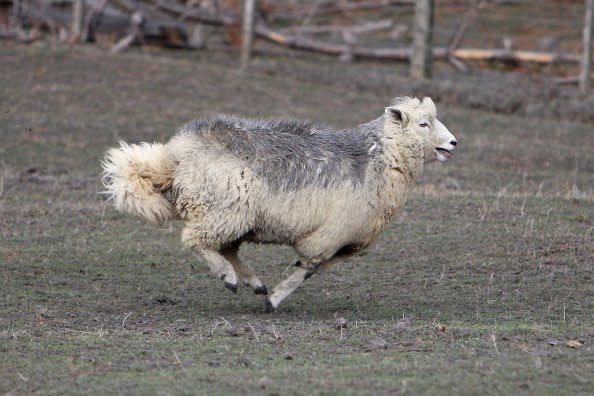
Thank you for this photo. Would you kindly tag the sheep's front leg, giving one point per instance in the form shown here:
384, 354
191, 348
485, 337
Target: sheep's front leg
288, 286
304, 271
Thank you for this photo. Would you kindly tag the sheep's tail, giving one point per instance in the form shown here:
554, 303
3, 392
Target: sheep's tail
136, 177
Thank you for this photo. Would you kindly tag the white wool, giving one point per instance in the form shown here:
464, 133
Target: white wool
225, 201
130, 173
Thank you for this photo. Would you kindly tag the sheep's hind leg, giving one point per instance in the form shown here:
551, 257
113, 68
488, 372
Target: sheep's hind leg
219, 266
244, 271
210, 251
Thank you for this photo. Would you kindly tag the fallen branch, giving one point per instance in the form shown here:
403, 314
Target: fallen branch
510, 55
156, 25
22, 36
356, 29
39, 14
404, 54
9, 35
300, 42
458, 64
468, 17
160, 20
165, 16
136, 21
572, 80
343, 8
193, 14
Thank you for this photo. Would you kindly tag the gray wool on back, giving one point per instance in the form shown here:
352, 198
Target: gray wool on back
291, 154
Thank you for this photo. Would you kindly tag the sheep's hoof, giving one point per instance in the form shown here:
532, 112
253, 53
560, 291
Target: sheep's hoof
269, 307
261, 290
231, 286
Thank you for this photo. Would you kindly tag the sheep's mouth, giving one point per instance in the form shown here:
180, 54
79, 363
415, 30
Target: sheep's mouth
445, 152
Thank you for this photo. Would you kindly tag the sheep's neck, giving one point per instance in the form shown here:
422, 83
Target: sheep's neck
404, 154
402, 162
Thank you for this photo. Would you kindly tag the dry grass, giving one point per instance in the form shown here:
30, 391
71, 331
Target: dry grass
484, 284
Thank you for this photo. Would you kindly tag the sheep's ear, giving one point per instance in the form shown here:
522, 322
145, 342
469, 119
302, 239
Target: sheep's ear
397, 115
429, 104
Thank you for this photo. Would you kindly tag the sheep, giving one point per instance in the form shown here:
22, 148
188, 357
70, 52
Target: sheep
326, 193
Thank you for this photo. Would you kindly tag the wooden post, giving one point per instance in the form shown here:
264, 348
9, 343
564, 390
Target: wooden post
586, 70
420, 64
78, 18
15, 15
247, 36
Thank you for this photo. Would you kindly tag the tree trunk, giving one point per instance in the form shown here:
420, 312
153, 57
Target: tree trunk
78, 18
247, 36
586, 70
420, 65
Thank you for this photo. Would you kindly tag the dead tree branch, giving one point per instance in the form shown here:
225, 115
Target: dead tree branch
342, 8
402, 54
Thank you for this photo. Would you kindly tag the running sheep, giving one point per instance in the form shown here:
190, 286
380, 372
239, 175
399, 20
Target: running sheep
326, 193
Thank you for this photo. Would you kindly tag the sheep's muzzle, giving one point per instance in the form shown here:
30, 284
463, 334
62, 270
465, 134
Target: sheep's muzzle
445, 152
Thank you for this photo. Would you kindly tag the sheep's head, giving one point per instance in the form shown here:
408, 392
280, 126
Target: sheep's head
420, 117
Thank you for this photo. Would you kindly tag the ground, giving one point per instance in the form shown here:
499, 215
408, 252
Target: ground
483, 285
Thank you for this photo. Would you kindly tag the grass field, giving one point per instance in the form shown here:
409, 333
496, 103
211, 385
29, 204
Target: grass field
484, 284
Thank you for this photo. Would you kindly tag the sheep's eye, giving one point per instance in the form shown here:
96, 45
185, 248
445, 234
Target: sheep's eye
423, 125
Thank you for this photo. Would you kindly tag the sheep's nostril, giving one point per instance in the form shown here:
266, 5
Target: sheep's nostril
453, 142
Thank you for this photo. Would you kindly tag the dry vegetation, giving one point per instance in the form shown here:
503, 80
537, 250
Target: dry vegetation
352, 31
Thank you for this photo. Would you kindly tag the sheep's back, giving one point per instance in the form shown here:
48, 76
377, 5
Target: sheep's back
289, 155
